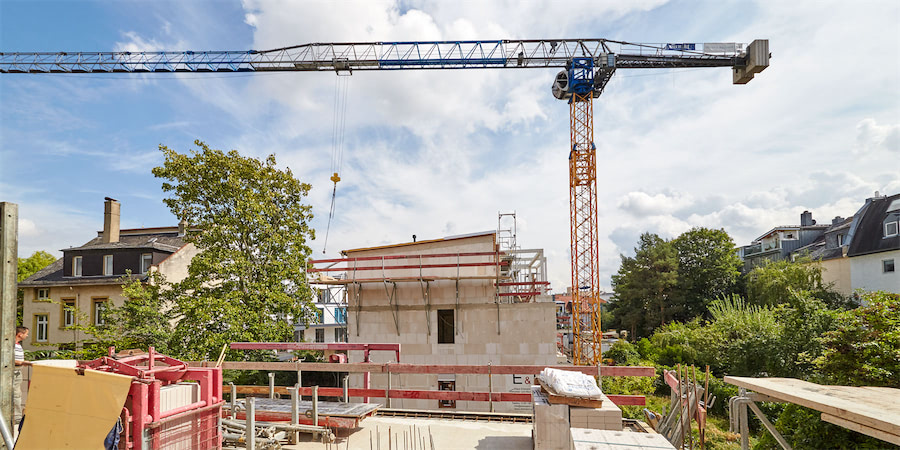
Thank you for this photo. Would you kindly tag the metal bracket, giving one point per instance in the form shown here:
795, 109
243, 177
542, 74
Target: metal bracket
737, 413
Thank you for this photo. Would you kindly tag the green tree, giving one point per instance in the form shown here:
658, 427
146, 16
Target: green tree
865, 347
29, 266
250, 225
26, 267
775, 283
708, 268
143, 319
644, 286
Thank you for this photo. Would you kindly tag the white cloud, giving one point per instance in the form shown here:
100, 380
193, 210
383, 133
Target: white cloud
871, 137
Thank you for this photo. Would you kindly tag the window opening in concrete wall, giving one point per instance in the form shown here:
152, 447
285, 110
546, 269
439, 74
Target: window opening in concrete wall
447, 386
445, 326
320, 335
887, 265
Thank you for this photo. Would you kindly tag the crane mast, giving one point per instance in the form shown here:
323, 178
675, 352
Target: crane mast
588, 65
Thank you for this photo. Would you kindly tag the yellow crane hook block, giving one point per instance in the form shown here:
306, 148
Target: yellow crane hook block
335, 178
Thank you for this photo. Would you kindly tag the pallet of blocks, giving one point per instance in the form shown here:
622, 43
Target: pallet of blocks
606, 417
551, 422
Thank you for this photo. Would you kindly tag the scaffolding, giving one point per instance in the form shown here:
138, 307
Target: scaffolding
517, 275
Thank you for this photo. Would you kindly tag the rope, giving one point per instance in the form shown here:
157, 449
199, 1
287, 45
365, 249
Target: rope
338, 127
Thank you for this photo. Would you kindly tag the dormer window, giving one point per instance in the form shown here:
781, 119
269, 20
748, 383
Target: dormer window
890, 229
107, 265
840, 240
76, 266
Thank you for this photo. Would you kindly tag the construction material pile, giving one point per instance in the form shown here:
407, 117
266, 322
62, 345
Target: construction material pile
571, 384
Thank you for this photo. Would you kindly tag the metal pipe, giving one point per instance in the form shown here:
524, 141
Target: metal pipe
387, 392
233, 400
182, 409
490, 386
271, 384
315, 405
7, 435
295, 411
251, 423
346, 388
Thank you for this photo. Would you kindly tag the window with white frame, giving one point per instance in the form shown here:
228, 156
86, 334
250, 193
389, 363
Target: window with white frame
76, 266
887, 265
890, 229
43, 294
840, 240
68, 313
107, 265
146, 262
41, 328
99, 308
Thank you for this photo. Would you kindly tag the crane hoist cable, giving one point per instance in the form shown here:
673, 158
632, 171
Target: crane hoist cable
338, 127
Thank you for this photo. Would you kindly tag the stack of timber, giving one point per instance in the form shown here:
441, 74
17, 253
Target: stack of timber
689, 402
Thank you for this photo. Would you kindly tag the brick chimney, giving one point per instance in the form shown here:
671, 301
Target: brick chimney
111, 220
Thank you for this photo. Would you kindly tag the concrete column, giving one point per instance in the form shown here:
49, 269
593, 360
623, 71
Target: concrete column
9, 227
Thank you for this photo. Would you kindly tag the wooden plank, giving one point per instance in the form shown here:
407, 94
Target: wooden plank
627, 400
874, 408
312, 346
627, 371
860, 428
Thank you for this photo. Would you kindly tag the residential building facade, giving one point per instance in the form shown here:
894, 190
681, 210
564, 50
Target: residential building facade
77, 287
874, 249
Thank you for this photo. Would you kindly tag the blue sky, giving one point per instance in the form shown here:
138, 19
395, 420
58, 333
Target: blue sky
441, 153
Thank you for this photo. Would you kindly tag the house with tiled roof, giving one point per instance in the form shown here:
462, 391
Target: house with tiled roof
874, 249
88, 278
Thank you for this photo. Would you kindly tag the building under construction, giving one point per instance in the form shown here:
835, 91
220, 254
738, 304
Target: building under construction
474, 299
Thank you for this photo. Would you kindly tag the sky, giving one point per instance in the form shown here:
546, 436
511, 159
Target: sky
441, 153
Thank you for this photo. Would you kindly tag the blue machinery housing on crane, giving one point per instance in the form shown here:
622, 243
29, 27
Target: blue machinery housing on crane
588, 66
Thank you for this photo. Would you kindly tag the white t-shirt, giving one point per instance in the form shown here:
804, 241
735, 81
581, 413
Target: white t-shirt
20, 352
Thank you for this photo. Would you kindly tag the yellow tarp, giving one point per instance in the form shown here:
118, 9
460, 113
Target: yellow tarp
66, 410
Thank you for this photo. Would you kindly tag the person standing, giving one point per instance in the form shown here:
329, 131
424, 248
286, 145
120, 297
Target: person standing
21, 334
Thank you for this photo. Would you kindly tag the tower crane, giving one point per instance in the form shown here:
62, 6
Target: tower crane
587, 66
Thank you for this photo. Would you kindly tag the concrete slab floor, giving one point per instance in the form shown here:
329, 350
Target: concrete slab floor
446, 434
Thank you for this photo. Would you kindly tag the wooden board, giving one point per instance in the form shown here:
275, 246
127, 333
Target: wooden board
558, 399
875, 408
878, 434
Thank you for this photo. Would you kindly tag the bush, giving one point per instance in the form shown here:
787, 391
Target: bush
623, 354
